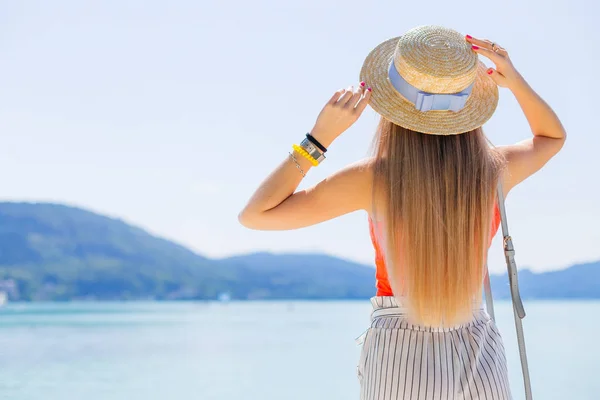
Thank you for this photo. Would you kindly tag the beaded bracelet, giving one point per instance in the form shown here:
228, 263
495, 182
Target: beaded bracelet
305, 154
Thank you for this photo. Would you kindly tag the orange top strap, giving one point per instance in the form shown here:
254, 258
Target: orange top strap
381, 277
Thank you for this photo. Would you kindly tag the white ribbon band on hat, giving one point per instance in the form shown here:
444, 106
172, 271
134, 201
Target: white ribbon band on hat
425, 101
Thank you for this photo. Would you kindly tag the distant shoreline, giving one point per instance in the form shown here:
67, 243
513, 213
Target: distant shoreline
302, 300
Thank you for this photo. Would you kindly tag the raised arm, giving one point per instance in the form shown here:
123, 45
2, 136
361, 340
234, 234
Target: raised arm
277, 206
528, 156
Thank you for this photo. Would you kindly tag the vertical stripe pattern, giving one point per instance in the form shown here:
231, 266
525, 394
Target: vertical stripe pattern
402, 361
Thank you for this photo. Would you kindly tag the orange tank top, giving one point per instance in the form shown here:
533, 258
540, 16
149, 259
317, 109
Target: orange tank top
381, 276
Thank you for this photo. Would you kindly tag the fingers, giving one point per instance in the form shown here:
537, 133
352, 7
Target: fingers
352, 98
336, 96
356, 96
497, 77
362, 103
498, 59
483, 43
499, 50
348, 93
487, 44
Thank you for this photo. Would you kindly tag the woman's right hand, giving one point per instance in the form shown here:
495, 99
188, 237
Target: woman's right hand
505, 74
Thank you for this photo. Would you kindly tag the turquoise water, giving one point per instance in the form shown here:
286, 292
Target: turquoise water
252, 350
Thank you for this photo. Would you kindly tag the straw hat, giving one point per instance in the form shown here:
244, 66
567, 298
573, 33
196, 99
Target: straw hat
430, 81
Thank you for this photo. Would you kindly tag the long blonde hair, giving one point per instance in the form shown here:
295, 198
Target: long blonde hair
435, 195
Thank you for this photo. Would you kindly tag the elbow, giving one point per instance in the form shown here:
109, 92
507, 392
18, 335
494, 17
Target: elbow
562, 140
248, 219
563, 134
243, 218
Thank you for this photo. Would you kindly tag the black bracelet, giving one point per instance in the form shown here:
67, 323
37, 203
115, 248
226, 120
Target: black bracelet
316, 143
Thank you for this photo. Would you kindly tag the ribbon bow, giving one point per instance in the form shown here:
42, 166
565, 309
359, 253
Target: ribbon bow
425, 101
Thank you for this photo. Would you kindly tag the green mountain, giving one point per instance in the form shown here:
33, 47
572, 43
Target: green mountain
306, 276
56, 252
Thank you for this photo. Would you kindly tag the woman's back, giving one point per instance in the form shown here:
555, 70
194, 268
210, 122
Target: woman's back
382, 283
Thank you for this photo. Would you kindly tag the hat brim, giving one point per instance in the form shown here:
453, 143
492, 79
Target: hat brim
390, 104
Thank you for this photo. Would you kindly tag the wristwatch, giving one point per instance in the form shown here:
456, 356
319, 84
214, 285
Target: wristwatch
312, 150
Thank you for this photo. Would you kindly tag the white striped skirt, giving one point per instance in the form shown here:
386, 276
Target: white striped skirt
401, 361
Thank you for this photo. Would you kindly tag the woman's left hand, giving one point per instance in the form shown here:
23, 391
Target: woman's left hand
505, 74
340, 112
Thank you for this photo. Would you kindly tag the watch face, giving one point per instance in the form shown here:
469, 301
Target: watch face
308, 146
312, 150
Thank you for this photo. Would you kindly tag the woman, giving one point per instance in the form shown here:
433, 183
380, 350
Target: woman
430, 191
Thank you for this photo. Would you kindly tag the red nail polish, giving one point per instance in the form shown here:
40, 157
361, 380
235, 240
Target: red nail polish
490, 71
362, 84
469, 37
369, 88
475, 47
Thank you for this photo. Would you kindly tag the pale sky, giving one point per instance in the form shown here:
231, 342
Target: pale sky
168, 114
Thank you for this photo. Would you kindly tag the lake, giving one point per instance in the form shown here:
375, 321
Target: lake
251, 350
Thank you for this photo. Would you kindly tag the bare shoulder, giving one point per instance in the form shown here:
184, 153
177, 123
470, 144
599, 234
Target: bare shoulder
361, 171
365, 170
357, 178
363, 167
